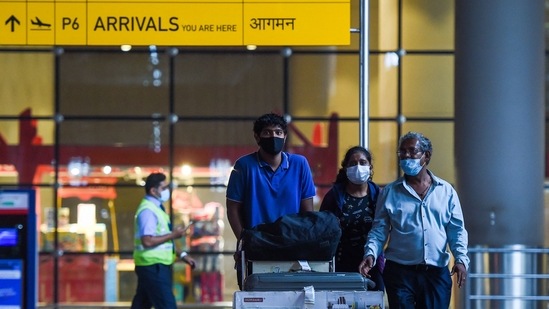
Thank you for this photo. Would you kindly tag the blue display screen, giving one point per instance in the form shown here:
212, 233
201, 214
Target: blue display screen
8, 237
11, 283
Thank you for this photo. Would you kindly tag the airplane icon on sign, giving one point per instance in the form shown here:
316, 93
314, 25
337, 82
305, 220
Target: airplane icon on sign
39, 23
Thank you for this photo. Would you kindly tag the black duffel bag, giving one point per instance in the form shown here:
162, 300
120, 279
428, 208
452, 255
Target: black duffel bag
312, 236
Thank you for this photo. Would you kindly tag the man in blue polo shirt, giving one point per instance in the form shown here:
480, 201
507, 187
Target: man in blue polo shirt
269, 183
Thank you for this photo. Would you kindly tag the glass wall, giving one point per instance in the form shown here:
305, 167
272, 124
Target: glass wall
85, 126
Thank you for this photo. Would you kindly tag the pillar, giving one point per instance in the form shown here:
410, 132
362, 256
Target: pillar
499, 131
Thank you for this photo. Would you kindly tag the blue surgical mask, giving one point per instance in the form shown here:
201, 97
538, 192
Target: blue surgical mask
165, 195
411, 167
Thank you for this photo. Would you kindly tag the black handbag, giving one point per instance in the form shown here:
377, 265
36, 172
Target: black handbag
312, 236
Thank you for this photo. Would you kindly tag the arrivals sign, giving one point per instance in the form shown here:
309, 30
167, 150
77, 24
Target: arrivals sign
175, 22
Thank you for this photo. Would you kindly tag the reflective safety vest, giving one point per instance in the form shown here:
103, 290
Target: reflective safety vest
161, 254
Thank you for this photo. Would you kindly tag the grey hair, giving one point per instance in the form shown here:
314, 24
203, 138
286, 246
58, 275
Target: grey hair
424, 142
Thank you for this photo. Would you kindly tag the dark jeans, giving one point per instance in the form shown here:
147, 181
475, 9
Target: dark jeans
154, 287
410, 286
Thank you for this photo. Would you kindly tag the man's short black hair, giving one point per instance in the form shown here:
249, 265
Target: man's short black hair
153, 181
268, 120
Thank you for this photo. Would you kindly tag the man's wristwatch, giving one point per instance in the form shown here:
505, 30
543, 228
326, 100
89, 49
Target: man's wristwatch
182, 255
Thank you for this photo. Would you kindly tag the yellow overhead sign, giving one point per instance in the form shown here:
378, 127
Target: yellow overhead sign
175, 23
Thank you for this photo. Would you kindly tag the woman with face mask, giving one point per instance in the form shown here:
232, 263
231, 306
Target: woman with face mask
352, 199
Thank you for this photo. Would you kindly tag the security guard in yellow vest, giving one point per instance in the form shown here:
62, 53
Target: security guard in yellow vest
154, 251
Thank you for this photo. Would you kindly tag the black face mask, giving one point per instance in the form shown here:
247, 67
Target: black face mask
272, 145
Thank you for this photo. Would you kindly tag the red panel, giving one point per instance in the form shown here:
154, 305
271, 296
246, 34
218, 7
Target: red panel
4, 212
81, 279
211, 284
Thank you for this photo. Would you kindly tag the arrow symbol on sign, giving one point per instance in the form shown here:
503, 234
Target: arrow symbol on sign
12, 20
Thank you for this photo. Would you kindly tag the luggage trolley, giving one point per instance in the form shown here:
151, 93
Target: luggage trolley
300, 242
255, 266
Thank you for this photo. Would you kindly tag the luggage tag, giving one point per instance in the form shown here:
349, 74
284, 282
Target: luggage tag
301, 266
309, 301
